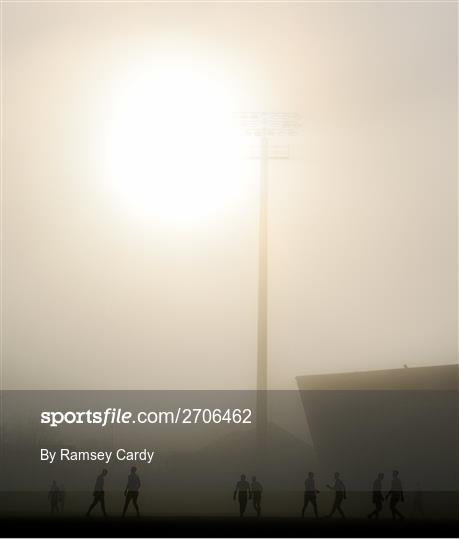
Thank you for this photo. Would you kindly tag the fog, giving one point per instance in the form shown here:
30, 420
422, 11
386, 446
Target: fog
362, 267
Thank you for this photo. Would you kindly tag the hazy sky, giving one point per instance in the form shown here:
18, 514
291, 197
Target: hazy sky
362, 230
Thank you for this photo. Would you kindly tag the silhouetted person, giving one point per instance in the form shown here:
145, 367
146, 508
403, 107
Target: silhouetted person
418, 506
377, 496
132, 491
310, 494
53, 497
243, 491
340, 494
99, 494
257, 490
62, 497
396, 495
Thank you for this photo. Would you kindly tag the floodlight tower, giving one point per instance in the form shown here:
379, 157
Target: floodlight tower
264, 125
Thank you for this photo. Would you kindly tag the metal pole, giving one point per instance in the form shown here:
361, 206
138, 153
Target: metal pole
262, 344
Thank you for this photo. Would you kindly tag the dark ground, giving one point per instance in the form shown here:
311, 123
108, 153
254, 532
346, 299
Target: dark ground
222, 527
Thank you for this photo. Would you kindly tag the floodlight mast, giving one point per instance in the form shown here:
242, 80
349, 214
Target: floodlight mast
262, 323
264, 125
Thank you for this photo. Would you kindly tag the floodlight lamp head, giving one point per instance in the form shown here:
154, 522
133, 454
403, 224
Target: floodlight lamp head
263, 124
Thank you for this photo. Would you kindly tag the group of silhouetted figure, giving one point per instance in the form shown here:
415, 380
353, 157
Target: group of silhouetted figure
131, 492
245, 491
56, 495
310, 495
395, 494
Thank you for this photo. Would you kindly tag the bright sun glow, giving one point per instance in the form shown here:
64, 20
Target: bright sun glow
173, 149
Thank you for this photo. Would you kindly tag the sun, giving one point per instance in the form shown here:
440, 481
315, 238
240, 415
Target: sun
172, 148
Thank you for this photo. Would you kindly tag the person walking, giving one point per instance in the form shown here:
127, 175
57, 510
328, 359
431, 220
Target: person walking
377, 496
131, 492
53, 497
310, 494
242, 490
257, 490
99, 493
340, 495
396, 496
